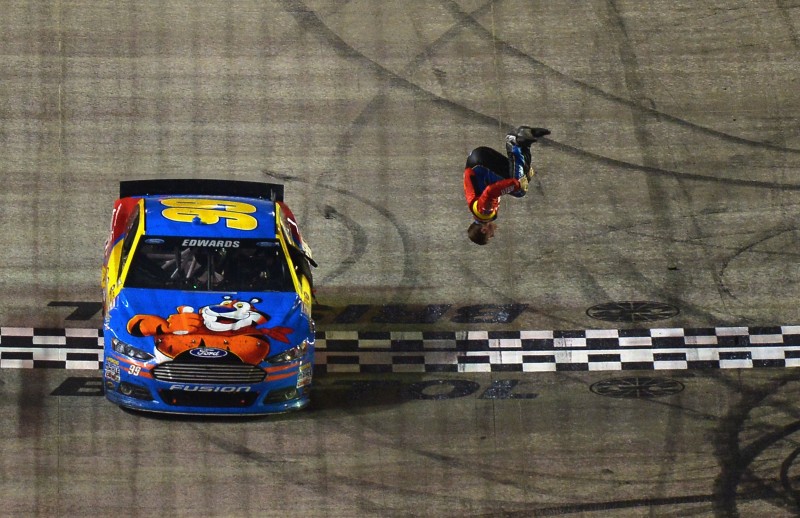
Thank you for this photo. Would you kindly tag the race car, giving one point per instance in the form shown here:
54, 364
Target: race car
207, 295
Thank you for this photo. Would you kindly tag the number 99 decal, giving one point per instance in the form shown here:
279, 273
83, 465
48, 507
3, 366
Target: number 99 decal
235, 213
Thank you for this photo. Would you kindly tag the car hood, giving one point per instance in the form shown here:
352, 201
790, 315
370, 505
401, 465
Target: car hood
251, 326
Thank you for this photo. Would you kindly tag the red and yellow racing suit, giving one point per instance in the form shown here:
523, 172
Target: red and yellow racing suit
483, 188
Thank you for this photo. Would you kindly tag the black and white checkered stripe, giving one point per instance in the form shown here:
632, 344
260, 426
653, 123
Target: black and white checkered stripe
73, 348
535, 351
471, 351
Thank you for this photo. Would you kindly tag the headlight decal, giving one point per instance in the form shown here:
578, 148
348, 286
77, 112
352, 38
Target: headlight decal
130, 351
289, 355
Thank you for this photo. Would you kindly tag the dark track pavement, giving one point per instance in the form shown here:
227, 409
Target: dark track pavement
670, 178
555, 444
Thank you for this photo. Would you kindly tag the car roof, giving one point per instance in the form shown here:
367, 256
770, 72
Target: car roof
209, 216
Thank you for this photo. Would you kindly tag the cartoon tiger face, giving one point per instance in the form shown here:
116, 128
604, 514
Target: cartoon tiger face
232, 315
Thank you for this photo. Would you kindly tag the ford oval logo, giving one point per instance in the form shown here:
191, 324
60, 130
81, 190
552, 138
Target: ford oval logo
208, 352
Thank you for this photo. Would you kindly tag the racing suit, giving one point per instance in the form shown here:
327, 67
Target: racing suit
488, 175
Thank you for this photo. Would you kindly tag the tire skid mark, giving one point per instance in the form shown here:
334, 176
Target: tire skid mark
395, 80
627, 166
635, 275
589, 285
510, 476
734, 459
764, 237
490, 472
657, 189
360, 242
409, 273
629, 229
468, 19
311, 23
784, 8
342, 487
658, 292
785, 479
505, 299
645, 503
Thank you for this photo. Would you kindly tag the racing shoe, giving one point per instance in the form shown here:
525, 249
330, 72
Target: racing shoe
526, 135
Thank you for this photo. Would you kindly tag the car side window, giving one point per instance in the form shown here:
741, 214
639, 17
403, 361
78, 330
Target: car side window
301, 264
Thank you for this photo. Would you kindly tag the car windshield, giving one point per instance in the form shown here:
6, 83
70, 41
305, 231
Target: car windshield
204, 264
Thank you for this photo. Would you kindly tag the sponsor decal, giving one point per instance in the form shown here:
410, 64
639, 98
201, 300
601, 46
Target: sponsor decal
207, 388
211, 242
111, 369
304, 375
208, 352
231, 326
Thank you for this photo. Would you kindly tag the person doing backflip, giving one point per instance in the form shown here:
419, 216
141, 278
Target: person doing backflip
488, 175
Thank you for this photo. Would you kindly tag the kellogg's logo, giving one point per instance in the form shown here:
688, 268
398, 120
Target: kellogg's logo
208, 352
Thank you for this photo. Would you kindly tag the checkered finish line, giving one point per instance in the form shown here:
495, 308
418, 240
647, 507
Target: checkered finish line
471, 351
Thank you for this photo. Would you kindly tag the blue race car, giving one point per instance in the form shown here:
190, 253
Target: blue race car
207, 294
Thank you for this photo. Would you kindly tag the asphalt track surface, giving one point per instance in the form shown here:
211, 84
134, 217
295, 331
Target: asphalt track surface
670, 178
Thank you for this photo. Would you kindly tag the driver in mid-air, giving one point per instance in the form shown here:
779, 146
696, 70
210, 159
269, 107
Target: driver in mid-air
489, 175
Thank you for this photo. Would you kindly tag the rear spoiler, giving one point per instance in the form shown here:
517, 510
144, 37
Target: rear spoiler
263, 190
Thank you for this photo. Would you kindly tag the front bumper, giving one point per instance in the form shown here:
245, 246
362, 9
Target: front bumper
288, 392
